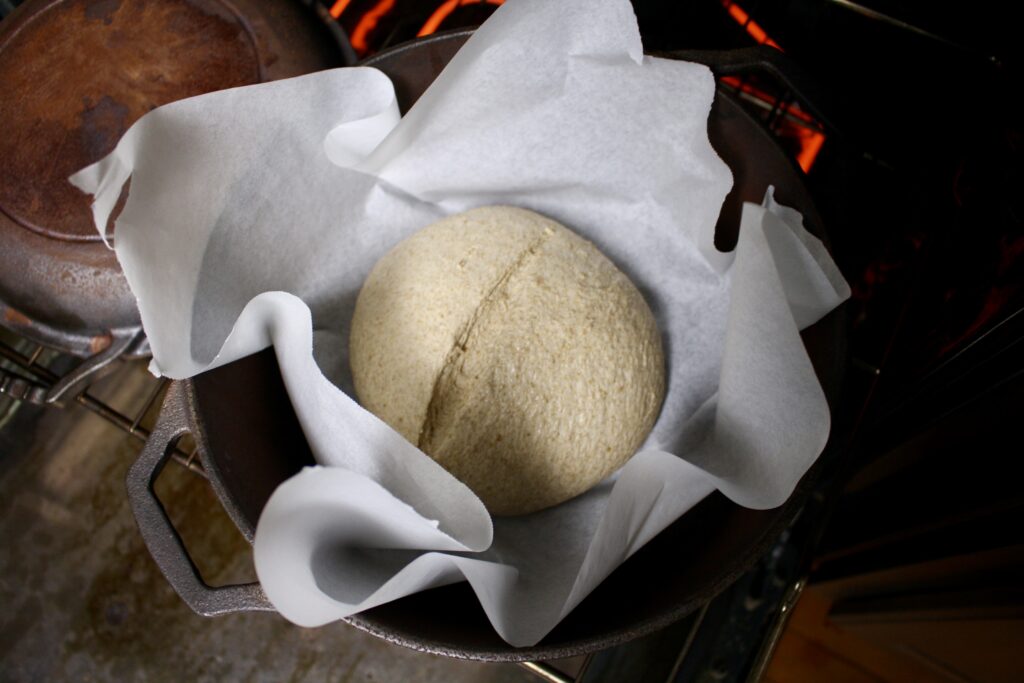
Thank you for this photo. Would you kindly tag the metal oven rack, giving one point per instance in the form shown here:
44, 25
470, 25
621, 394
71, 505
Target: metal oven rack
29, 375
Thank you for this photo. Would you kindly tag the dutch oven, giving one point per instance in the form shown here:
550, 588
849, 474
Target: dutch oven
250, 442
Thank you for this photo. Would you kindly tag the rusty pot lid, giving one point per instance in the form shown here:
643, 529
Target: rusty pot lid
75, 75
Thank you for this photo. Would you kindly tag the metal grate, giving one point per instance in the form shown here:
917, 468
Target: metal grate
28, 371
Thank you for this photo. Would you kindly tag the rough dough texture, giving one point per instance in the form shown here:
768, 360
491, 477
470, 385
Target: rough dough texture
511, 351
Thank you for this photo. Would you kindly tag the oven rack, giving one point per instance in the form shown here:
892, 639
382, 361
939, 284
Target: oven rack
29, 377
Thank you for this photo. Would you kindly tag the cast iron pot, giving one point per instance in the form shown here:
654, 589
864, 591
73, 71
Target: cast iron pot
250, 442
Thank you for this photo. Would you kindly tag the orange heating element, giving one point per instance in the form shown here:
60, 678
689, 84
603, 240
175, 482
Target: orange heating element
447, 8
752, 27
805, 130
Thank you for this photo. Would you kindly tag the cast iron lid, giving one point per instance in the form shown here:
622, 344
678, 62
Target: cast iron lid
75, 74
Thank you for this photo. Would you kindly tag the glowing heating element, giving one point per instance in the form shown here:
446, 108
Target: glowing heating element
447, 8
806, 134
742, 18
367, 23
810, 144
798, 125
338, 7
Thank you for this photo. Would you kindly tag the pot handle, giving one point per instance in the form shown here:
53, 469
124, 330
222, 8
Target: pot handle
163, 541
761, 58
76, 381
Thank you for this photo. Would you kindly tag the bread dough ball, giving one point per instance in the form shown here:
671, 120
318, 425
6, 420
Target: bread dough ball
511, 351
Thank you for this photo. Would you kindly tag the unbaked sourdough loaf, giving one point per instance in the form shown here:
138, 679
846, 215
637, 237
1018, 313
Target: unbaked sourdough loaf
511, 351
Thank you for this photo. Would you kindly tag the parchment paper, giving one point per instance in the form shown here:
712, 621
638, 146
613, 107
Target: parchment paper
254, 215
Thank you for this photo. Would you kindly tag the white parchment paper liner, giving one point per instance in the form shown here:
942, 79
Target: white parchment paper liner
255, 214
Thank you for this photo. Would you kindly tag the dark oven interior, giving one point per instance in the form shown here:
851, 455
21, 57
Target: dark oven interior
903, 119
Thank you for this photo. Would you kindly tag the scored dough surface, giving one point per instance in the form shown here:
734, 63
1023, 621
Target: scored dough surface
511, 351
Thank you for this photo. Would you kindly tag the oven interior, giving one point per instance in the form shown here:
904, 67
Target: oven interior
903, 120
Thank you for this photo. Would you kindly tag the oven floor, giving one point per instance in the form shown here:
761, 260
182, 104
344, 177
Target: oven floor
84, 601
